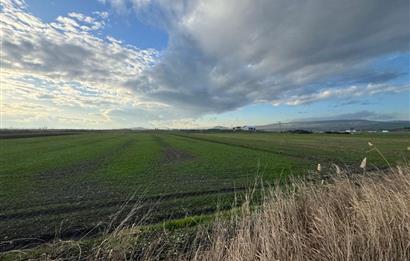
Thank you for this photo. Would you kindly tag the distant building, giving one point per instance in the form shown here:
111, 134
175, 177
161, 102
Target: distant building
244, 128
385, 131
351, 130
249, 128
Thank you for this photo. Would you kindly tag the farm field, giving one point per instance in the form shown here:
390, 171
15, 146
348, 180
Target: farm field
69, 184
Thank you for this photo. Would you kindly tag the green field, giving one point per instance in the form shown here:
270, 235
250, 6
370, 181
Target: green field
66, 185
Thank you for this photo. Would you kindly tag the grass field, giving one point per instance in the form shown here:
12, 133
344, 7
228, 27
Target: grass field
68, 184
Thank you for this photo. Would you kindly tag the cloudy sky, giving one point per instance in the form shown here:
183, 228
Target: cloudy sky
201, 63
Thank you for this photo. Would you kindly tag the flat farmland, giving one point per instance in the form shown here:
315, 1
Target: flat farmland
67, 185
343, 149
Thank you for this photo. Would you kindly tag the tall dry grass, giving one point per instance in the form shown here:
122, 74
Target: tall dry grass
347, 217
364, 217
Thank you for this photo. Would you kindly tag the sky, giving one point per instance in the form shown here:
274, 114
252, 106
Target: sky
105, 64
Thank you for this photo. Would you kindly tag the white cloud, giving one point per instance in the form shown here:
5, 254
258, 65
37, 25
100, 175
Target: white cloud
347, 92
119, 5
65, 49
62, 65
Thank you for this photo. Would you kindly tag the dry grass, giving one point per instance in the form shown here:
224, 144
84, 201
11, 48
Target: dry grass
349, 218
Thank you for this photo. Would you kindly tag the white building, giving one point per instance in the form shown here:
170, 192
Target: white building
351, 131
244, 128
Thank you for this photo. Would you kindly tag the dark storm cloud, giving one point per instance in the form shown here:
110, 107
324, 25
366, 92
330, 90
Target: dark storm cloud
226, 54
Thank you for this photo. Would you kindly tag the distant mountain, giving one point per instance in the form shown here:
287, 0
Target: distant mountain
219, 128
336, 125
139, 128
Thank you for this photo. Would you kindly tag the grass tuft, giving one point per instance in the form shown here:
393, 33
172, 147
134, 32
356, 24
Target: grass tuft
363, 217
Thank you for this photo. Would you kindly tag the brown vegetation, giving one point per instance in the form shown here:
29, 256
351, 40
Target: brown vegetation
350, 218
347, 217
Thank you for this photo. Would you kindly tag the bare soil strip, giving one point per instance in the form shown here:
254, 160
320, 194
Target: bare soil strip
171, 154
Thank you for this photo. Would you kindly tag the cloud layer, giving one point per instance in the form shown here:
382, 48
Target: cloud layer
67, 49
66, 68
221, 55
226, 54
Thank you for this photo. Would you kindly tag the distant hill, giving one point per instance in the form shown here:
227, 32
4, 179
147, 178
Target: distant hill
219, 128
138, 128
336, 125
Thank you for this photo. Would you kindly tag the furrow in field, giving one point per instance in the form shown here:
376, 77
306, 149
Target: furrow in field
79, 232
81, 168
24, 214
65, 183
309, 157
